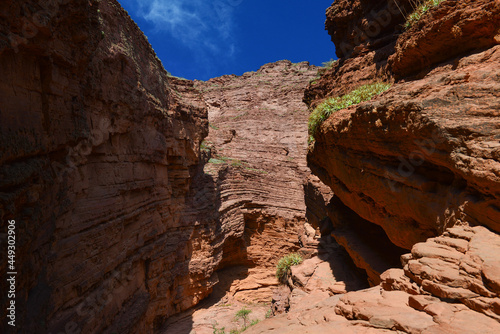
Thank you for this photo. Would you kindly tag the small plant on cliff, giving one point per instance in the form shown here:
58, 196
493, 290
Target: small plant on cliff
330, 105
218, 160
254, 322
236, 163
321, 70
206, 146
243, 314
420, 7
329, 64
218, 330
284, 265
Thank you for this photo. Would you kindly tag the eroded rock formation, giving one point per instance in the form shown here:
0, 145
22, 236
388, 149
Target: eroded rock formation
449, 285
256, 152
98, 152
416, 160
125, 217
424, 155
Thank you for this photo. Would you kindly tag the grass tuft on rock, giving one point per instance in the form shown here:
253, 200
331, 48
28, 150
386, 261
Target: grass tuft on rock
284, 265
328, 64
421, 7
330, 105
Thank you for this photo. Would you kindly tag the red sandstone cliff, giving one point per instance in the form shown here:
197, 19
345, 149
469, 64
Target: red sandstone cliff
256, 157
256, 152
424, 155
254, 191
98, 150
414, 161
122, 221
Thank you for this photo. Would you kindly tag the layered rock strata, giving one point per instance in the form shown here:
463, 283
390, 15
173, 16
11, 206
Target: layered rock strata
99, 147
253, 190
416, 160
424, 155
255, 153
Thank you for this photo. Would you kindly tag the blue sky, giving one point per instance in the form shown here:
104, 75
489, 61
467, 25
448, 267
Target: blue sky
202, 39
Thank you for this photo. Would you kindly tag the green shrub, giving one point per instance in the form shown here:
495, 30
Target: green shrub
421, 7
329, 64
284, 265
254, 322
321, 70
243, 314
218, 330
330, 105
216, 161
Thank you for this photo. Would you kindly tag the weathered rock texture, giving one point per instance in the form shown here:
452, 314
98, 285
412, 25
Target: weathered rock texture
424, 155
405, 167
119, 226
98, 150
453, 28
256, 153
450, 284
256, 164
365, 34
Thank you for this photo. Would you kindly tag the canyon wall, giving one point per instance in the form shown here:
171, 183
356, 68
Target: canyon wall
121, 219
256, 155
416, 168
422, 156
99, 148
250, 201
135, 193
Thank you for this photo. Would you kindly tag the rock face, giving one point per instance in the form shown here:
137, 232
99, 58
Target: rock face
423, 156
461, 265
453, 28
256, 162
256, 156
126, 214
449, 285
417, 163
365, 34
99, 147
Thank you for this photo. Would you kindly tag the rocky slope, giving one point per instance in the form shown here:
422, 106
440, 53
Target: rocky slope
99, 147
449, 285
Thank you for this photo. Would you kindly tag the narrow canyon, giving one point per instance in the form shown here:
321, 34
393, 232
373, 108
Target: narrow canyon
148, 203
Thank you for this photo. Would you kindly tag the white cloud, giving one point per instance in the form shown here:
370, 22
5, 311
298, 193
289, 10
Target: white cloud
196, 23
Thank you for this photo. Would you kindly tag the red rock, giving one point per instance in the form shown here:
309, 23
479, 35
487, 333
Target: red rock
398, 203
448, 30
256, 156
465, 321
120, 226
368, 153
395, 279
464, 280
97, 157
420, 302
